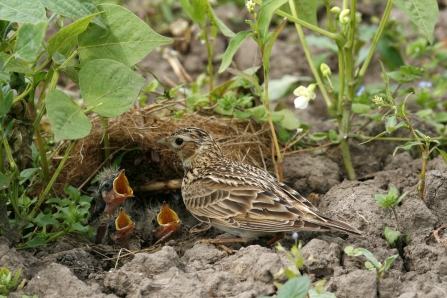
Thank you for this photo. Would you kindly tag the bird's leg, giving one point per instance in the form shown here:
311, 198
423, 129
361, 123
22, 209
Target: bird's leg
199, 228
277, 237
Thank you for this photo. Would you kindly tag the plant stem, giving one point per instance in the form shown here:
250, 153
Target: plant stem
106, 139
209, 50
43, 155
272, 127
421, 184
363, 137
294, 19
397, 219
309, 55
375, 41
48, 188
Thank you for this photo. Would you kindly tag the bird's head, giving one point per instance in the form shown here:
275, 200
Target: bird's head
193, 145
114, 190
121, 229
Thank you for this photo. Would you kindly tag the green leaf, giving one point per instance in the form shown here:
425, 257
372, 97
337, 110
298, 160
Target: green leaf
269, 45
265, 14
36, 241
4, 181
197, 100
27, 174
42, 220
388, 262
401, 198
441, 117
69, 8
391, 236
390, 123
258, 112
295, 288
66, 118
314, 294
360, 108
109, 86
234, 45
216, 21
242, 114
65, 40
352, 252
369, 265
370, 257
29, 40
290, 121
393, 193
407, 146
152, 86
276, 116
305, 9
384, 200
5, 103
126, 39
443, 154
279, 88
21, 11
424, 13
13, 65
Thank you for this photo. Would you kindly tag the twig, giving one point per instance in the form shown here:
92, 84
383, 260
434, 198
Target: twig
439, 239
160, 185
310, 149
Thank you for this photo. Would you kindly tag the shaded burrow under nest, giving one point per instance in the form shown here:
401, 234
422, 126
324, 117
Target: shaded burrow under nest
151, 165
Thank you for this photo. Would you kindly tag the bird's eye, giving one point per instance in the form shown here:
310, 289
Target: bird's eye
179, 141
107, 185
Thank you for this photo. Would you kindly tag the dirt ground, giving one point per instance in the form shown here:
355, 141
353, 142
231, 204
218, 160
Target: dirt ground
183, 267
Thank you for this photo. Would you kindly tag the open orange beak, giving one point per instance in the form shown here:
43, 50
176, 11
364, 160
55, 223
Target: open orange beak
168, 220
121, 191
124, 228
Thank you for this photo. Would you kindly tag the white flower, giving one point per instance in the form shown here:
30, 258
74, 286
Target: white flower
304, 96
250, 6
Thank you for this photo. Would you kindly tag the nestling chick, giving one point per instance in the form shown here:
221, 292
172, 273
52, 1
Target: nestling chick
169, 223
113, 189
120, 231
238, 198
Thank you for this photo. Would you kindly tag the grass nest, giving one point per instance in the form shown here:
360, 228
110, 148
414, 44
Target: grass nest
132, 137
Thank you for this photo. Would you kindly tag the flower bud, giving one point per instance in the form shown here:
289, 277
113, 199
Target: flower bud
344, 16
325, 70
335, 10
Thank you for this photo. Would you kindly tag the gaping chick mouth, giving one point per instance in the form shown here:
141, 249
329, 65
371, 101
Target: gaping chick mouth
124, 227
168, 220
121, 190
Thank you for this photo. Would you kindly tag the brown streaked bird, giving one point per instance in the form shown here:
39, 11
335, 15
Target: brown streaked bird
238, 198
169, 224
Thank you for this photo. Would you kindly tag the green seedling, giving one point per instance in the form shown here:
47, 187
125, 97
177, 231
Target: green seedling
391, 200
373, 263
8, 282
298, 285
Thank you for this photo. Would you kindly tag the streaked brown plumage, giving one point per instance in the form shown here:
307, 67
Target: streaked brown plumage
238, 198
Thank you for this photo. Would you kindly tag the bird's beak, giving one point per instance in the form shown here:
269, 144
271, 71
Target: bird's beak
169, 222
166, 215
124, 227
121, 191
163, 141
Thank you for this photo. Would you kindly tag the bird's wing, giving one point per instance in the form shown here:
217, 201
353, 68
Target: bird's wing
244, 197
237, 204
